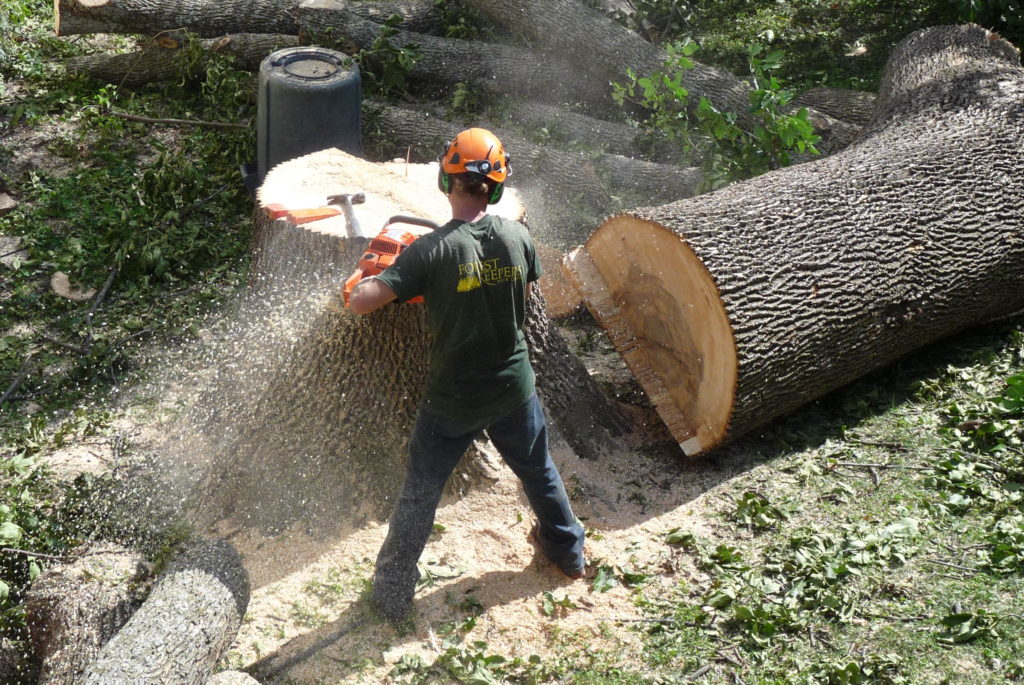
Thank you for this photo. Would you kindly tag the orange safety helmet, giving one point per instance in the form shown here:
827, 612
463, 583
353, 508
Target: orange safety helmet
479, 153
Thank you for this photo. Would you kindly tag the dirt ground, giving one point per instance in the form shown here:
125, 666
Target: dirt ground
308, 622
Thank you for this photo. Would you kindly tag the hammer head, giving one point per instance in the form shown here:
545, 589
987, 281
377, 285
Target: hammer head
346, 199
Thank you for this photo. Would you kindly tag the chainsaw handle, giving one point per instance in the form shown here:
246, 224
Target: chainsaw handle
414, 220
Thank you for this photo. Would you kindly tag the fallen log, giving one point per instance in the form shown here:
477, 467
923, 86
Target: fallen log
73, 609
567, 192
164, 62
737, 306
567, 128
209, 18
852, 106
185, 626
490, 69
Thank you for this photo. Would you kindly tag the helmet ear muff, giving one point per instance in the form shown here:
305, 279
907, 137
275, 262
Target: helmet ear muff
444, 181
496, 193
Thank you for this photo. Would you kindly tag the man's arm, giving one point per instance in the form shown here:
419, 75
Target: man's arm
369, 295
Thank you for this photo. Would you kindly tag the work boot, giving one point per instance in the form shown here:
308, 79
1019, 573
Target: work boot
575, 572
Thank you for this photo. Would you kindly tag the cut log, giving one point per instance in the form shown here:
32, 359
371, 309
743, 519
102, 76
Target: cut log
73, 609
320, 436
185, 626
567, 192
212, 18
158, 62
490, 69
735, 307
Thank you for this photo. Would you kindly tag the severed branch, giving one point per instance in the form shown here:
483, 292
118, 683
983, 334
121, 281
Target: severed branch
907, 467
27, 553
18, 378
177, 122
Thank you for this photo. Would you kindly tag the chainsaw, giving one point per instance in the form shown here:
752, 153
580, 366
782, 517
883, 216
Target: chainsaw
384, 249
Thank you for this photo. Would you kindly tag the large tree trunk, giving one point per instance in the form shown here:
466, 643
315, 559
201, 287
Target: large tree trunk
212, 18
734, 307
184, 627
159, 62
74, 608
317, 434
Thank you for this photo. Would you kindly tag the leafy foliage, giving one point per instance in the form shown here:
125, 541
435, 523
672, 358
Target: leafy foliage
841, 44
730, 151
384, 66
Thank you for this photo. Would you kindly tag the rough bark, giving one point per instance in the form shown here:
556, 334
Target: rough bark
159, 63
734, 307
567, 192
331, 416
490, 69
852, 106
11, 661
74, 608
185, 625
209, 18
567, 128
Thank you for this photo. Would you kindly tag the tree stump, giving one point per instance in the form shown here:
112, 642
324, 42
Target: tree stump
317, 433
734, 307
184, 627
73, 609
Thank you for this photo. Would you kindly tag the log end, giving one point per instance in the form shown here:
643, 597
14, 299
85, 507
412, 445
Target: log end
662, 311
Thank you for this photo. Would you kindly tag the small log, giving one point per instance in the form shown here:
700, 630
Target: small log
185, 626
734, 307
73, 609
212, 18
158, 62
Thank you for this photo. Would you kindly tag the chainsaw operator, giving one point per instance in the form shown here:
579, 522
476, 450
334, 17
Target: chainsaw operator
475, 274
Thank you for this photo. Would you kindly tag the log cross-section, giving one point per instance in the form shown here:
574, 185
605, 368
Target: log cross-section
740, 305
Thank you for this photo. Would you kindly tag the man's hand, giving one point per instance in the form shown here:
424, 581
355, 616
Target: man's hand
369, 295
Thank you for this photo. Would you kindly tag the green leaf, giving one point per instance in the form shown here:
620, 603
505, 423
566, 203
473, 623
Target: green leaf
10, 533
604, 580
680, 538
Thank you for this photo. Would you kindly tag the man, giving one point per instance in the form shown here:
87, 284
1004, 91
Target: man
475, 273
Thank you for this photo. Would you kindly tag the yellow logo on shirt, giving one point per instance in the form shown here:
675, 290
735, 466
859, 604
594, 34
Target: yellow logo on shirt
473, 275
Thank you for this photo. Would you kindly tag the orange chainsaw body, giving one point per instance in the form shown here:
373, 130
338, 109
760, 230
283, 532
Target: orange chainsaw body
384, 249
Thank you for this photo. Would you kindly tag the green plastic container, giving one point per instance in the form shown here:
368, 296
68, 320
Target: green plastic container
309, 100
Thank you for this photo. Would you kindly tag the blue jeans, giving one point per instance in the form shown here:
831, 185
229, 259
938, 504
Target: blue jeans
435, 448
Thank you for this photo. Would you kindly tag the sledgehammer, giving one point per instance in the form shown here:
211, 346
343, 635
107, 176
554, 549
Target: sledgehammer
346, 200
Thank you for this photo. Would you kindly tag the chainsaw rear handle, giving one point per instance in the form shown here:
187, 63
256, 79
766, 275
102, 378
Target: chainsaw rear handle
414, 220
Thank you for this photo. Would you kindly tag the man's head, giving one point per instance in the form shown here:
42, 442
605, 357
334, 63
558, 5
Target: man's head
474, 163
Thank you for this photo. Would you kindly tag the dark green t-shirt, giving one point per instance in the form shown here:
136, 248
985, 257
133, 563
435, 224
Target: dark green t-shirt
473, 277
